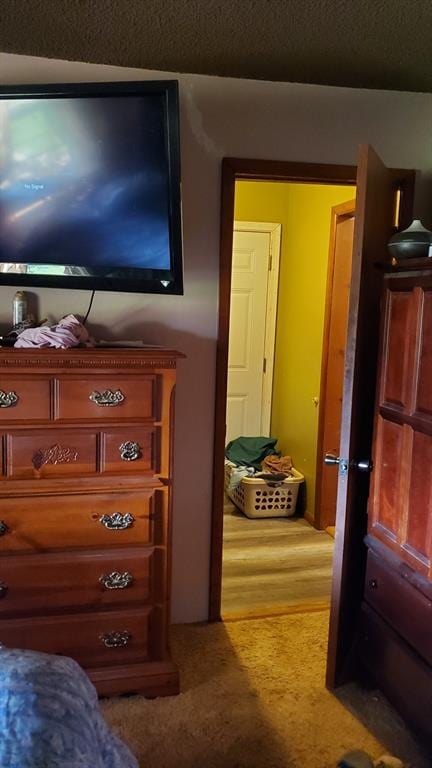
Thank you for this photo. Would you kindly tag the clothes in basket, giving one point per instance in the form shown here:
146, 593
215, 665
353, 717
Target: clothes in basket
250, 451
260, 497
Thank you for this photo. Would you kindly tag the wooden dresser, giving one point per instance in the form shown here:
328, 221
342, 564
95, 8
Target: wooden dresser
396, 622
86, 476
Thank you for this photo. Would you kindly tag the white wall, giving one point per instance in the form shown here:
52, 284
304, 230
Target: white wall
238, 118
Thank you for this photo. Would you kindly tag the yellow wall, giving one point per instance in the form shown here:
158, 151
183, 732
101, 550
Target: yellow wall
304, 212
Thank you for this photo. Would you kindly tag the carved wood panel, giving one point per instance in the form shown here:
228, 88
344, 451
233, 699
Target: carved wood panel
400, 505
424, 389
396, 388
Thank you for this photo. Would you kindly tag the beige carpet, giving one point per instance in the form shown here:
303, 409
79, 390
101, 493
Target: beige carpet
253, 696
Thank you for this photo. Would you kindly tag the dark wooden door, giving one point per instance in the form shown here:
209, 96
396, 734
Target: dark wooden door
375, 216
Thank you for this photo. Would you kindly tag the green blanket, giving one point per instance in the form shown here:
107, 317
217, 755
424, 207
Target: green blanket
250, 451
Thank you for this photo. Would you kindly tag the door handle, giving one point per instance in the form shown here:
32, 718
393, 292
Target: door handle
330, 459
364, 465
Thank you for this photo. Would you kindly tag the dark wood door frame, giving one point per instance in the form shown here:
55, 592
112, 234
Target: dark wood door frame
234, 169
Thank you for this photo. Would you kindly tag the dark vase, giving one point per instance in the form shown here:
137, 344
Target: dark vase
412, 243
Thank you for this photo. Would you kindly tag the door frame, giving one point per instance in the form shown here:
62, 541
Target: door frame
338, 212
274, 231
236, 169
346, 580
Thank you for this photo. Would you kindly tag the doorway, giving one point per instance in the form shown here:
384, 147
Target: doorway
384, 204
281, 322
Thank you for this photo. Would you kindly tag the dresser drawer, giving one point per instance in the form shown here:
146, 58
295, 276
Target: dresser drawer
403, 606
42, 583
24, 399
92, 639
79, 521
50, 453
108, 398
131, 450
53, 453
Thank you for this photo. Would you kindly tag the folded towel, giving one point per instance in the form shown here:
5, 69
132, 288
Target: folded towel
277, 464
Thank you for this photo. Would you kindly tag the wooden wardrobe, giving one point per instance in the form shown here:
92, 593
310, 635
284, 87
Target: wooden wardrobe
396, 622
85, 510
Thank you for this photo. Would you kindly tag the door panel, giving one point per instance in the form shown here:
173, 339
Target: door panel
250, 265
419, 524
374, 224
424, 389
394, 392
390, 442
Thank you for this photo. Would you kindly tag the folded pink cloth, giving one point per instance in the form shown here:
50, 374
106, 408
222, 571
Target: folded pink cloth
68, 332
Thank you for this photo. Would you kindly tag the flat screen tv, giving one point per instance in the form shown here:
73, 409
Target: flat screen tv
90, 186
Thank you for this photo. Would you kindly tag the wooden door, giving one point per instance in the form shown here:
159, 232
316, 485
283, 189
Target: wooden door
374, 224
247, 336
333, 358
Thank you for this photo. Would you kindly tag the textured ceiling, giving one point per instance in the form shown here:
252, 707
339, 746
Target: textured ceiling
360, 43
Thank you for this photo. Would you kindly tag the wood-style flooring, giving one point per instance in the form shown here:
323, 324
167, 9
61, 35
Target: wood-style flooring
273, 566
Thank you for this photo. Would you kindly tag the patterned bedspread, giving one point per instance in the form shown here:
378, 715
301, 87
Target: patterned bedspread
50, 716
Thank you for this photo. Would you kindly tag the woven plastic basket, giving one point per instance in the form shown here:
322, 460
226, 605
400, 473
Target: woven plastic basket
258, 498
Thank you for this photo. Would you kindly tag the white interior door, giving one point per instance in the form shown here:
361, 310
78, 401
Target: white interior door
252, 328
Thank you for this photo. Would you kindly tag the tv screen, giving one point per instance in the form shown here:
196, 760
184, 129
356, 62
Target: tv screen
90, 186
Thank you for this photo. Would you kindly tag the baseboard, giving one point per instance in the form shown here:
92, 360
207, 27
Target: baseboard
309, 518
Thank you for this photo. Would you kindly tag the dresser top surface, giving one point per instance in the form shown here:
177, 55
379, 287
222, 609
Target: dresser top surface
88, 358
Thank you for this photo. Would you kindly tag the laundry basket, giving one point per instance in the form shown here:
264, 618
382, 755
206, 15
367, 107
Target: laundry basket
258, 498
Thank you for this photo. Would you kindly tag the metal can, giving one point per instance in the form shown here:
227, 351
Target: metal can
19, 308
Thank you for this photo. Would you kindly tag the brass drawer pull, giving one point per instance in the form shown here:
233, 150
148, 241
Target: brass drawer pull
3, 589
115, 639
3, 528
109, 397
116, 580
8, 399
130, 451
117, 521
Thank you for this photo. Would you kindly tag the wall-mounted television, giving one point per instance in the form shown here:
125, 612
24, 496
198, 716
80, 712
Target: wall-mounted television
90, 186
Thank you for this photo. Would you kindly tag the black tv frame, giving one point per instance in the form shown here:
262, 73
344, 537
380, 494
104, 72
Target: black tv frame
148, 281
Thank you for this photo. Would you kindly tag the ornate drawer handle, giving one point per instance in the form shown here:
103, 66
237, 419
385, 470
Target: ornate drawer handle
3, 589
8, 399
130, 451
109, 397
117, 521
116, 580
115, 639
3, 528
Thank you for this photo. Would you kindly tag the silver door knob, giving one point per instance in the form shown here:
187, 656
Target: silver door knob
365, 465
329, 458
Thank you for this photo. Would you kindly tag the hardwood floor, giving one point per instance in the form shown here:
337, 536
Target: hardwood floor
273, 566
